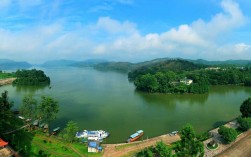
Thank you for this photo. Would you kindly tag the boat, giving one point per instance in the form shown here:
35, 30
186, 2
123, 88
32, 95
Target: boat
54, 131
97, 135
135, 136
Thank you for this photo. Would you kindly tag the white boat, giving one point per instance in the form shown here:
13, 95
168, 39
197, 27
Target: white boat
92, 135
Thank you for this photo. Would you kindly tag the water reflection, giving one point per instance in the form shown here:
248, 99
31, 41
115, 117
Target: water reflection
169, 101
30, 89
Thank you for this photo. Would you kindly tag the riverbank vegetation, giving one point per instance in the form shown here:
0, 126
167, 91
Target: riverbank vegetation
5, 75
31, 77
179, 76
34, 142
189, 145
228, 134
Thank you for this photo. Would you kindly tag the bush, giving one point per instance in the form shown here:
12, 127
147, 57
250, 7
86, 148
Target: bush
245, 123
228, 134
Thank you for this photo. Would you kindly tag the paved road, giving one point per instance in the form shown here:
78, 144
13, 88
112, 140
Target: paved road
111, 151
241, 148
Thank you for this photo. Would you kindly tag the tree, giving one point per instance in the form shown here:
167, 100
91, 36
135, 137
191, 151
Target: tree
5, 112
70, 131
162, 150
246, 108
147, 83
244, 122
48, 109
189, 145
228, 134
29, 107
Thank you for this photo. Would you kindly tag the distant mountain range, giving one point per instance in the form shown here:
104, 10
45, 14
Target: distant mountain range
227, 62
127, 66
60, 63
102, 64
6, 64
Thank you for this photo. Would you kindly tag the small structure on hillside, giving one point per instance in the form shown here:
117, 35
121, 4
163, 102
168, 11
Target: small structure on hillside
94, 147
186, 81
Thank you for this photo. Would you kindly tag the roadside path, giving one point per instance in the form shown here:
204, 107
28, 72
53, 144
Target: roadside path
6, 133
241, 148
117, 150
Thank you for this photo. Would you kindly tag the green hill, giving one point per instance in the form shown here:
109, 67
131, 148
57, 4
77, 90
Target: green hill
164, 66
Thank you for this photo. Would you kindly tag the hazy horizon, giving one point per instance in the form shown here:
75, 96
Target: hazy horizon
124, 30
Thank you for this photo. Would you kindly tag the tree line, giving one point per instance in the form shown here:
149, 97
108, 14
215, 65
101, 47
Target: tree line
169, 81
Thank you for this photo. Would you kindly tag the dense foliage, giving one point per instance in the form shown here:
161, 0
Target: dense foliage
189, 144
228, 134
168, 82
31, 77
161, 150
4, 75
47, 109
166, 77
244, 123
69, 133
245, 108
5, 112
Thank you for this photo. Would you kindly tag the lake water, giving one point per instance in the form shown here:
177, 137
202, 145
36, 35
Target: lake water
108, 101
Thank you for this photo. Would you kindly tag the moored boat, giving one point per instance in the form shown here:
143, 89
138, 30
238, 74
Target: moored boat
97, 135
54, 131
135, 136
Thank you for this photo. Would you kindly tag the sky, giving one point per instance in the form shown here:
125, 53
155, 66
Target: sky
124, 30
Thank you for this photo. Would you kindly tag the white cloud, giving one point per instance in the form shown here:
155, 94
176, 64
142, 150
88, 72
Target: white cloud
122, 40
115, 27
199, 38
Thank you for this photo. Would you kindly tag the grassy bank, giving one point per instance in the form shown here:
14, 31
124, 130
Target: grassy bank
4, 75
37, 143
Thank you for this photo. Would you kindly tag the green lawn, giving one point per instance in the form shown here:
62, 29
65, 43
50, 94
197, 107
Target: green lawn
6, 75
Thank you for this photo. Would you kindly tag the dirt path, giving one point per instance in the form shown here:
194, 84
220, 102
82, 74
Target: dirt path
6, 81
6, 133
117, 150
241, 148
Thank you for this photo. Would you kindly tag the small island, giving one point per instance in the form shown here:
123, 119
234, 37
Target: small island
31, 77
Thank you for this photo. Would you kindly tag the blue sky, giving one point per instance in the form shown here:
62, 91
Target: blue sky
124, 30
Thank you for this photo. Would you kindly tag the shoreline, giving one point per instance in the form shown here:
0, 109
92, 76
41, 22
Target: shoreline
7, 81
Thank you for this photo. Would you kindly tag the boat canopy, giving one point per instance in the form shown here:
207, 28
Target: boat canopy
56, 129
140, 131
134, 135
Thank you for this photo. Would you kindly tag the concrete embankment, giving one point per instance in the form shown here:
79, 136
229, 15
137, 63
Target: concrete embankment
6, 81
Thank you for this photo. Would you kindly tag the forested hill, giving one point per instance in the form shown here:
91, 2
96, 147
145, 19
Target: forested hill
164, 66
115, 66
10, 64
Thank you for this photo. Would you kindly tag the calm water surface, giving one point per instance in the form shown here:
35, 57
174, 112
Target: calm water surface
106, 100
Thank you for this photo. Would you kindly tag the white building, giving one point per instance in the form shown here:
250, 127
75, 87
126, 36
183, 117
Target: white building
94, 147
186, 81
